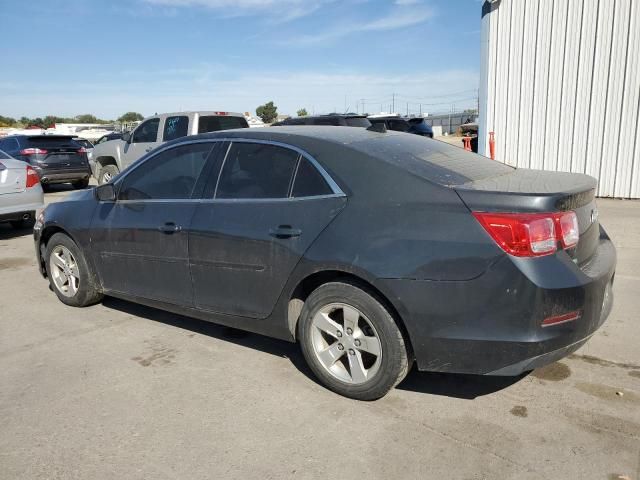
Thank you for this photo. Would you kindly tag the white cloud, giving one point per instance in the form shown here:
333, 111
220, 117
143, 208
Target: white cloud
398, 18
283, 10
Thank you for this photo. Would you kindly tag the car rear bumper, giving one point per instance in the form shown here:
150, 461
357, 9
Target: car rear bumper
492, 325
63, 176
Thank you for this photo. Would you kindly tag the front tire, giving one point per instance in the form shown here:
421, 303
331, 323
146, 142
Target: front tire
69, 274
107, 173
351, 341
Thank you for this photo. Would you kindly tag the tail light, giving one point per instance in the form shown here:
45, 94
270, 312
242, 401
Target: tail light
32, 151
531, 234
82, 150
32, 177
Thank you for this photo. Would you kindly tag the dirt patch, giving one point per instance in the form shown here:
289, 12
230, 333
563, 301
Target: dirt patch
519, 411
554, 372
159, 355
602, 362
634, 373
11, 263
606, 392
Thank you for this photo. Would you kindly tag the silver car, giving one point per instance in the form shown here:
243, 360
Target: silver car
21, 197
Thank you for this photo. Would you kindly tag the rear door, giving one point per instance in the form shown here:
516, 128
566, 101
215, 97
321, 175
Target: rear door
266, 208
143, 140
140, 242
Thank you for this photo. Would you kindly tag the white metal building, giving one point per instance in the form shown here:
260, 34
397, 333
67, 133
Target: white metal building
560, 87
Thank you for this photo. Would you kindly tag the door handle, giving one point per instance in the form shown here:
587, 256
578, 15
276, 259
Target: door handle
285, 231
148, 149
169, 228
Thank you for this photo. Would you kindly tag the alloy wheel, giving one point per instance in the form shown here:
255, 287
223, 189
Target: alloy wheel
346, 343
64, 271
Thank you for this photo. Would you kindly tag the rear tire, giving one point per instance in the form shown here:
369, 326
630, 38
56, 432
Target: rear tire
351, 341
107, 173
70, 277
81, 185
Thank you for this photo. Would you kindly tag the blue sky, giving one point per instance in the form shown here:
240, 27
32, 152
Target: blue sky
67, 57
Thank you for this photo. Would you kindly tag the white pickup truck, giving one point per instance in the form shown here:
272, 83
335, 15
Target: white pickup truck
111, 157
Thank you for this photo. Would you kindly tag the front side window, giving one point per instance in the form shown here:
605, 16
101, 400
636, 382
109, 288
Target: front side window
175, 127
255, 170
171, 174
147, 132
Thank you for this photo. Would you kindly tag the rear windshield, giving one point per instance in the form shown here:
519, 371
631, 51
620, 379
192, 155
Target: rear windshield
436, 161
213, 124
4, 156
358, 122
84, 143
51, 142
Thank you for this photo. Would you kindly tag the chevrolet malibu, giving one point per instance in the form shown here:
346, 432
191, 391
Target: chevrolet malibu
372, 250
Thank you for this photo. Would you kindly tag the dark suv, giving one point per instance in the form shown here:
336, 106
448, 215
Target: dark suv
416, 126
332, 119
56, 158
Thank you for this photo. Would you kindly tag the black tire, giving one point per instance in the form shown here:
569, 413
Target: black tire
23, 224
81, 184
89, 291
395, 360
111, 170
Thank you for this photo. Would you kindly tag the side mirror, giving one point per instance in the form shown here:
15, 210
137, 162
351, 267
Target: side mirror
127, 137
106, 193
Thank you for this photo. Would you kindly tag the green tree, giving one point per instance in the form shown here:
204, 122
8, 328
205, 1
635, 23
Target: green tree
7, 121
130, 117
86, 118
267, 112
302, 112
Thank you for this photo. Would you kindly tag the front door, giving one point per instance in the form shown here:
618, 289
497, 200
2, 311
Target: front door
143, 140
269, 206
140, 241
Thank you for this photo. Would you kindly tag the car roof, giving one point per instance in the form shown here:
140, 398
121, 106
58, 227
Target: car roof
216, 113
430, 159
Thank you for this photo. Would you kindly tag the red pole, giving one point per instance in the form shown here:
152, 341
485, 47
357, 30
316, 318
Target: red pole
492, 146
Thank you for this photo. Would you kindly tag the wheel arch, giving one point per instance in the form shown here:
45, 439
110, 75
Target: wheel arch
310, 282
46, 234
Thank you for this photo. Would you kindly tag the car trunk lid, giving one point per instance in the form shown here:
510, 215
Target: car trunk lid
13, 177
524, 190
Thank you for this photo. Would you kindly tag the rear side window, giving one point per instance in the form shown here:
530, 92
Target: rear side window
309, 182
147, 132
175, 127
255, 170
171, 174
216, 123
358, 122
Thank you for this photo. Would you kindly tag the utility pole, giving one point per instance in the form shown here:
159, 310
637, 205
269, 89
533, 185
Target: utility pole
393, 103
362, 100
420, 109
407, 109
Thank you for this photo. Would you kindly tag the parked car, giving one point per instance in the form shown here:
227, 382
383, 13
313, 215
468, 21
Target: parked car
55, 158
21, 196
417, 126
370, 249
108, 136
112, 157
332, 119
88, 146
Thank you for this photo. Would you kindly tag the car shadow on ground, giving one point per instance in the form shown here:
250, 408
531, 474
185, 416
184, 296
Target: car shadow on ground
443, 384
7, 232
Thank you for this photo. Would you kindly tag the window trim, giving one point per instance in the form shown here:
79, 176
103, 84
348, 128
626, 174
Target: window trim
337, 191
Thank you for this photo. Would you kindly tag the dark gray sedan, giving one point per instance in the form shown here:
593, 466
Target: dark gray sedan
373, 250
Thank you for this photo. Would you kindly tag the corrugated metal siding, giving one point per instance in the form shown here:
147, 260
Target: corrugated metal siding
560, 87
